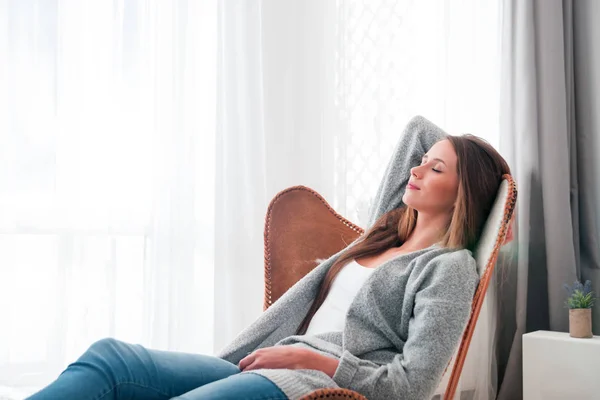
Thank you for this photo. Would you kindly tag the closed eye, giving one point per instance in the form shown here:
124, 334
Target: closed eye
425, 160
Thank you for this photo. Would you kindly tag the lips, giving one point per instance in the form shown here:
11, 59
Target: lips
412, 187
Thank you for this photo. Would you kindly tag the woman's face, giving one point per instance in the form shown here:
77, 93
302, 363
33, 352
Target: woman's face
433, 185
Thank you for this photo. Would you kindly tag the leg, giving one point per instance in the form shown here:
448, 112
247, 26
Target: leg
235, 387
111, 370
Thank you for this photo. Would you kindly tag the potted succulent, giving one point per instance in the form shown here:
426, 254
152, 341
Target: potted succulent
580, 302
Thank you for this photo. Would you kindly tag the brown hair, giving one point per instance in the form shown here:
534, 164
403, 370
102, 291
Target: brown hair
480, 169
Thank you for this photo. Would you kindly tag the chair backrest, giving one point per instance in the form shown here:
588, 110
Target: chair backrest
302, 228
486, 254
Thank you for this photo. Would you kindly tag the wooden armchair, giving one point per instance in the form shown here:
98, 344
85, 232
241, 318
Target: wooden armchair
292, 248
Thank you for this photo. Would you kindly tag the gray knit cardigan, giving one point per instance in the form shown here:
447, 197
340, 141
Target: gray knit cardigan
404, 323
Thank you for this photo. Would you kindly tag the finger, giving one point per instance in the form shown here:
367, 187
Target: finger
247, 361
254, 365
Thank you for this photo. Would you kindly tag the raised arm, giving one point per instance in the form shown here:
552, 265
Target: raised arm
418, 137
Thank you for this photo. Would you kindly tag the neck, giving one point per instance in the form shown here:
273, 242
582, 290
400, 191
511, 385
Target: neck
429, 229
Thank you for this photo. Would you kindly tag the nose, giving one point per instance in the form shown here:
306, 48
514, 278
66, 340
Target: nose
416, 171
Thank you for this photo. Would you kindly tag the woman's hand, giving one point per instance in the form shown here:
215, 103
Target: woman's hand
277, 357
288, 357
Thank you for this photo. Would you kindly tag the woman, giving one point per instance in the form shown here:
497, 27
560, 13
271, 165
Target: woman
381, 317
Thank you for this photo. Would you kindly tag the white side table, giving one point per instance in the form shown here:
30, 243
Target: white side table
557, 366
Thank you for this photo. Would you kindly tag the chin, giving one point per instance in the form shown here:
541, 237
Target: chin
409, 201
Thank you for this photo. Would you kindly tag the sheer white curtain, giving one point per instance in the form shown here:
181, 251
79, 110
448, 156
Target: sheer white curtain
316, 93
119, 218
107, 137
274, 131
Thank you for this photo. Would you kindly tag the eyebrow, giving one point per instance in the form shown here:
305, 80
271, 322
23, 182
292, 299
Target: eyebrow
436, 159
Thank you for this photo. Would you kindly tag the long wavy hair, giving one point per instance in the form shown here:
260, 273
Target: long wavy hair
480, 169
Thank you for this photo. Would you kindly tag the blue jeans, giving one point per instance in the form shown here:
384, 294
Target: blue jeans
111, 369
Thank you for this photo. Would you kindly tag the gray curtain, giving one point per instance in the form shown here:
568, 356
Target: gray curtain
549, 133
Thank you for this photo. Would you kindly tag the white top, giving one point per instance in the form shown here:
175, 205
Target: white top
331, 316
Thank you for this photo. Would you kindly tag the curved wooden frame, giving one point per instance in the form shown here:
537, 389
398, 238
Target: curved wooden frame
478, 298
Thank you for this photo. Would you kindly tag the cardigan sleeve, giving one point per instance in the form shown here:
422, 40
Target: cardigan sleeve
418, 137
441, 311
282, 318
278, 321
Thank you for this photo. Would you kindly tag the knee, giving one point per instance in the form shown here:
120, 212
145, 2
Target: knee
108, 357
111, 354
106, 345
